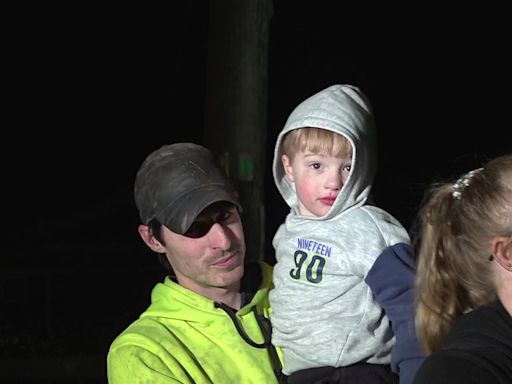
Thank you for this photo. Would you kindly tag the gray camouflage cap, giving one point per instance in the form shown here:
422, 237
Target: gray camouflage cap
176, 182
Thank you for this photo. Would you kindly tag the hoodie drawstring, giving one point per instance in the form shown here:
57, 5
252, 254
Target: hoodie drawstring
266, 330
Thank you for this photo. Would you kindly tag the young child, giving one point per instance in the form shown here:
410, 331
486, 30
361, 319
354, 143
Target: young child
344, 278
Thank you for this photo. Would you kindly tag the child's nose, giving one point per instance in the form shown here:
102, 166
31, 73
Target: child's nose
335, 181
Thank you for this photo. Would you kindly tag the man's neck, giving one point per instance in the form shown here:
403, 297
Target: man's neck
232, 299
229, 295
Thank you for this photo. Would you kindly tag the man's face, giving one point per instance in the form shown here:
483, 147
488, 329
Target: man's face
211, 254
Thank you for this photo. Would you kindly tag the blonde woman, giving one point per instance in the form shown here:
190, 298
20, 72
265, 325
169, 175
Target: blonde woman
464, 278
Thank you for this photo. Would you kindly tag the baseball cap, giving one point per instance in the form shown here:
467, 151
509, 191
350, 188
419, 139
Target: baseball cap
177, 182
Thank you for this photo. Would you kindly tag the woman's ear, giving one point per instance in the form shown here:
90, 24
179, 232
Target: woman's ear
502, 251
150, 240
288, 169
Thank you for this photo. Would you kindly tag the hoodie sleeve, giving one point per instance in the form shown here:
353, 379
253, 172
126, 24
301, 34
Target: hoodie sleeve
391, 280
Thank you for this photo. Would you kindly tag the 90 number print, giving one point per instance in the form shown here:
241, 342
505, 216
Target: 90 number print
313, 267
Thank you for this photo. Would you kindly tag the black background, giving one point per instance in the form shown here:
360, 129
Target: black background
92, 91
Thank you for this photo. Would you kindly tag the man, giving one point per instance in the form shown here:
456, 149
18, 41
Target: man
208, 322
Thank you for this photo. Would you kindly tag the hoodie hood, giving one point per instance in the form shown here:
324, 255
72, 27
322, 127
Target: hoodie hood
172, 301
343, 109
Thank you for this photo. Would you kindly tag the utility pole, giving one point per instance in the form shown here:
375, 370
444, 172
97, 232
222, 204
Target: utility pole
236, 104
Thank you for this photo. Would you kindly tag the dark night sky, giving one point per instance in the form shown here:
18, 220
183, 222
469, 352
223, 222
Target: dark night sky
438, 83
95, 94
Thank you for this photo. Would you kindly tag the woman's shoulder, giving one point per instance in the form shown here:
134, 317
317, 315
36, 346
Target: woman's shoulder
453, 366
487, 322
477, 350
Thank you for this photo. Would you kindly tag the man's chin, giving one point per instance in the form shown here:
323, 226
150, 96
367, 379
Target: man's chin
232, 275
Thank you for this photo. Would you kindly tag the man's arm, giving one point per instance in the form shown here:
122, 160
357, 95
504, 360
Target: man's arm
135, 364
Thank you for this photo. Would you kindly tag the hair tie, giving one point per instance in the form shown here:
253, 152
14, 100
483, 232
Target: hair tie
463, 182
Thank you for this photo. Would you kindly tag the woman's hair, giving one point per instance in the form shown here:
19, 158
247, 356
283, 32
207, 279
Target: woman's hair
316, 140
457, 224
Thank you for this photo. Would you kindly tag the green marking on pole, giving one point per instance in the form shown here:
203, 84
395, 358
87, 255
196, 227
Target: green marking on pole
224, 162
245, 167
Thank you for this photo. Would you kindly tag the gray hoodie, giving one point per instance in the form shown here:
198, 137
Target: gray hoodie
324, 313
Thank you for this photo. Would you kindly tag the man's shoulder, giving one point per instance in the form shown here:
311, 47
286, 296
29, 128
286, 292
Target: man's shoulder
143, 332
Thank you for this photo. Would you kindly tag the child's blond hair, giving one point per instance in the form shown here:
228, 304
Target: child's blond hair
316, 140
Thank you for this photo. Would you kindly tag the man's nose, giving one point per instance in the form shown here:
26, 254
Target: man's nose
219, 236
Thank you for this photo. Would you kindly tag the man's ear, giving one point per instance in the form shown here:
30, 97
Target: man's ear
150, 240
288, 169
502, 251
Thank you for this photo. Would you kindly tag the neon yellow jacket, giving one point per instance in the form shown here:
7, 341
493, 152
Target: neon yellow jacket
184, 337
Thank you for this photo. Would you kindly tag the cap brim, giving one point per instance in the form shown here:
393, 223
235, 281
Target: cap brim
181, 214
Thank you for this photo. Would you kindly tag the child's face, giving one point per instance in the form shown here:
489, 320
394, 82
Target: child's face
318, 180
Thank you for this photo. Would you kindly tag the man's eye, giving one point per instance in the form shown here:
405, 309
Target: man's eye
202, 225
223, 216
198, 229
